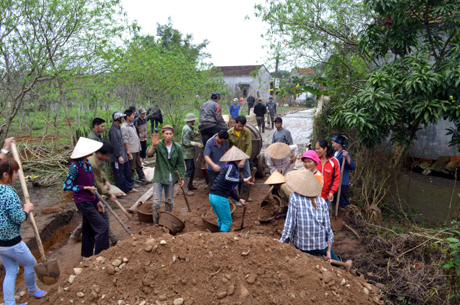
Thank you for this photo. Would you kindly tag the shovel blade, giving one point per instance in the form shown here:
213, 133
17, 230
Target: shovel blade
336, 223
48, 274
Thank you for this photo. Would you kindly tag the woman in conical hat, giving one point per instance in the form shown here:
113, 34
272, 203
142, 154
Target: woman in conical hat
224, 185
80, 180
307, 223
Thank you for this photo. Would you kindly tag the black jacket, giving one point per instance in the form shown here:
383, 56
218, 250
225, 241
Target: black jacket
226, 182
251, 100
154, 114
260, 110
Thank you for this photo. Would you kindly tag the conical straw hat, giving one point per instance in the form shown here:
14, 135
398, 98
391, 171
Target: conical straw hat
234, 154
275, 178
278, 151
304, 183
85, 147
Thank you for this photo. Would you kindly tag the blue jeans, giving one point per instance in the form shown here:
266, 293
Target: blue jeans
221, 207
122, 176
10, 257
246, 169
322, 252
157, 192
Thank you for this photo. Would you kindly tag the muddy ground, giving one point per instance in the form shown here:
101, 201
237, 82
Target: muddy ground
67, 252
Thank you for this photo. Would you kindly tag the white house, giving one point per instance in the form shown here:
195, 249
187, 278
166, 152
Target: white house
243, 80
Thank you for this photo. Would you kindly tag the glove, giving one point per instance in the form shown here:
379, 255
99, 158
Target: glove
196, 144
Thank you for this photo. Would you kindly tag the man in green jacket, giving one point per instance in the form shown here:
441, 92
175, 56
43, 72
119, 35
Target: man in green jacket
169, 158
98, 128
188, 148
240, 136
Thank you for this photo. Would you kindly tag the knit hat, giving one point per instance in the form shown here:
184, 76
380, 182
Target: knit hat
310, 154
275, 178
167, 127
234, 154
304, 183
278, 151
85, 147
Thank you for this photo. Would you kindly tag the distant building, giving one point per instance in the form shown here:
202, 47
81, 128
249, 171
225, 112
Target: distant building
301, 71
243, 80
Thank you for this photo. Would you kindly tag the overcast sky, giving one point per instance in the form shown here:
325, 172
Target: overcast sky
233, 40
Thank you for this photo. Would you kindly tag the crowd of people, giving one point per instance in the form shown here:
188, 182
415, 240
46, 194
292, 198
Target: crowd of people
306, 193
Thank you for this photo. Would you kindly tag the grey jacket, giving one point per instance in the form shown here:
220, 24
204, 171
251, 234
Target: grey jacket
211, 115
130, 136
116, 139
272, 107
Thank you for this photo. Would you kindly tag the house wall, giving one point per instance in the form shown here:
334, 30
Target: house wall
261, 83
433, 142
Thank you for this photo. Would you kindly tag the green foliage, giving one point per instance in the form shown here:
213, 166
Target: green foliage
452, 264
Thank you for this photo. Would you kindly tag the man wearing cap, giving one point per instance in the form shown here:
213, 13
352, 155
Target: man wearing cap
281, 135
141, 126
271, 110
188, 148
80, 180
214, 150
169, 159
234, 109
251, 102
119, 158
240, 136
260, 110
133, 146
211, 120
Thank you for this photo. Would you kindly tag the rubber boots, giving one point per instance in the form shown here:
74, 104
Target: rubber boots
142, 177
155, 215
190, 185
186, 187
168, 207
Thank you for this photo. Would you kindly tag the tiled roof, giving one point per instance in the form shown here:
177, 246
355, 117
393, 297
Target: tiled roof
237, 70
306, 71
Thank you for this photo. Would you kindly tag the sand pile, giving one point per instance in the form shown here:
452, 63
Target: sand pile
203, 268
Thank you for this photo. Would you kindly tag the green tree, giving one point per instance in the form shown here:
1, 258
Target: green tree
416, 45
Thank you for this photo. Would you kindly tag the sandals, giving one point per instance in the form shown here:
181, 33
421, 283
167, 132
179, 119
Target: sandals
38, 294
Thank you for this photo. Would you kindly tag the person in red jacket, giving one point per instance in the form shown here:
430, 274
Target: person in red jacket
330, 168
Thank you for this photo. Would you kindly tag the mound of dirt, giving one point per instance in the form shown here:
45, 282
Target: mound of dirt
204, 268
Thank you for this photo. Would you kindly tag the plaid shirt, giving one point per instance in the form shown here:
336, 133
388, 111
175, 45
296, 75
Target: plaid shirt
307, 228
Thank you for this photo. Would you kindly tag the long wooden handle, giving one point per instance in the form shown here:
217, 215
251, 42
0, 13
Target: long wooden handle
27, 200
340, 188
123, 209
254, 170
345, 265
183, 191
107, 206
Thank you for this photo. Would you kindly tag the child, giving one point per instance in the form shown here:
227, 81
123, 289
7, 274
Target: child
224, 185
310, 160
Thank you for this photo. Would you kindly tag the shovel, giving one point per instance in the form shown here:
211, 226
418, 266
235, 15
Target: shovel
47, 271
107, 206
337, 222
254, 170
183, 191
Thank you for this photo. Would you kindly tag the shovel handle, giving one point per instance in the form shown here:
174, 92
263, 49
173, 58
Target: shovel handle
345, 265
340, 188
107, 206
254, 170
123, 209
25, 191
183, 191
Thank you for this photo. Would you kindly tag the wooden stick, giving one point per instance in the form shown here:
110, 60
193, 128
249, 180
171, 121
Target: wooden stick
147, 195
183, 191
27, 200
266, 195
254, 170
123, 209
348, 227
113, 213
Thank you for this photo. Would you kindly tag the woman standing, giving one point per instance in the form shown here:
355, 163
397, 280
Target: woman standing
13, 250
307, 223
310, 161
330, 168
224, 185
80, 180
340, 146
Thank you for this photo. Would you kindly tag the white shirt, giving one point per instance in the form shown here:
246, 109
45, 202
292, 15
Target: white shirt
169, 157
280, 164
